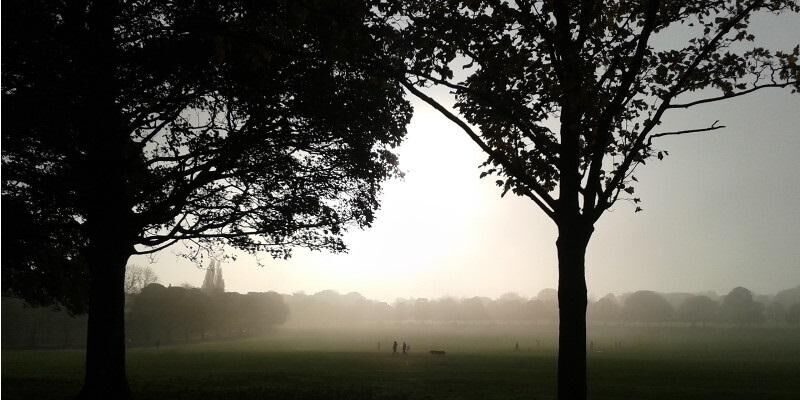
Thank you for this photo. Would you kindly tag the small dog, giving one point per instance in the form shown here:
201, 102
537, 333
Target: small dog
438, 352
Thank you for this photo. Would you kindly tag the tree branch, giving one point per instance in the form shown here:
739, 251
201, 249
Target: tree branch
156, 249
620, 172
520, 123
602, 133
731, 95
544, 200
713, 127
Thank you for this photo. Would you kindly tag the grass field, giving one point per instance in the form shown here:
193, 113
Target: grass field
653, 363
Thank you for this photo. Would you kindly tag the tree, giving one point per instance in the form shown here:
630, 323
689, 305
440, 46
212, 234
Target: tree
131, 126
566, 99
738, 307
606, 309
138, 277
698, 309
647, 306
793, 314
775, 312
213, 282
788, 297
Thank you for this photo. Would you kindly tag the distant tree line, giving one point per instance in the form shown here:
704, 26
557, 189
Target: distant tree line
155, 315
29, 326
159, 314
738, 307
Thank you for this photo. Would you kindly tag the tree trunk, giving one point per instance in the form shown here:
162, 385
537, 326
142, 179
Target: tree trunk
572, 242
106, 199
110, 246
105, 340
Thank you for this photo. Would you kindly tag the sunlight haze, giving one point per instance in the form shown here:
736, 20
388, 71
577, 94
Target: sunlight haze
719, 212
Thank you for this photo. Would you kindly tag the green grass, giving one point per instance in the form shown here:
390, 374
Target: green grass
346, 365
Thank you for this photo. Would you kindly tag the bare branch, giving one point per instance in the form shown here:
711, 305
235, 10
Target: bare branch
528, 130
713, 127
731, 95
156, 249
544, 200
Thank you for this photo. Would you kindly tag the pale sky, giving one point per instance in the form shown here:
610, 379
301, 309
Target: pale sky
721, 211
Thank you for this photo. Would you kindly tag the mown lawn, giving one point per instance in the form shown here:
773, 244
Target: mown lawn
288, 367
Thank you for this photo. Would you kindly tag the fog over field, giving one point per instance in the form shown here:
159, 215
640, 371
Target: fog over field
400, 199
341, 346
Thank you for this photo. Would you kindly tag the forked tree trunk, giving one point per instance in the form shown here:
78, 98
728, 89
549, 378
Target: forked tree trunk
572, 242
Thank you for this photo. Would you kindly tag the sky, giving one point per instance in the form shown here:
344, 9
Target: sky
721, 211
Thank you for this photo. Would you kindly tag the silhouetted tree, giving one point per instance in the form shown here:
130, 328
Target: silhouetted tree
647, 306
422, 309
698, 309
566, 97
138, 277
508, 307
788, 297
793, 314
132, 125
213, 281
166, 314
606, 309
474, 309
738, 307
549, 301
775, 312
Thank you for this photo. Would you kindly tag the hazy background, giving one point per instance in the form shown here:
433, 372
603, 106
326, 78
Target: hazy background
719, 212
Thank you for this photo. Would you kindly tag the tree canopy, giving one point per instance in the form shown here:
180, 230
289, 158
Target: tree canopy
263, 126
739, 307
542, 81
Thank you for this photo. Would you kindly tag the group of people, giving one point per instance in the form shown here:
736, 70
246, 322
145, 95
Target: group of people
406, 347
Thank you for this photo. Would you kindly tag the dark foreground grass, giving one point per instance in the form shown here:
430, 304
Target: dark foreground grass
287, 367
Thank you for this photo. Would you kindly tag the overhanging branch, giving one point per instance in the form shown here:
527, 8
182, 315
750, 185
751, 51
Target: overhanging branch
539, 195
732, 95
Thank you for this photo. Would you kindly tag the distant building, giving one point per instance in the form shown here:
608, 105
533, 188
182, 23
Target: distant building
213, 282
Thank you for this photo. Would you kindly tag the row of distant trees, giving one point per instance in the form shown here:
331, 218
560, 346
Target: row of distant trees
159, 314
154, 314
738, 307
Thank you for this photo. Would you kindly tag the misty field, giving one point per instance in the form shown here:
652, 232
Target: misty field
641, 363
